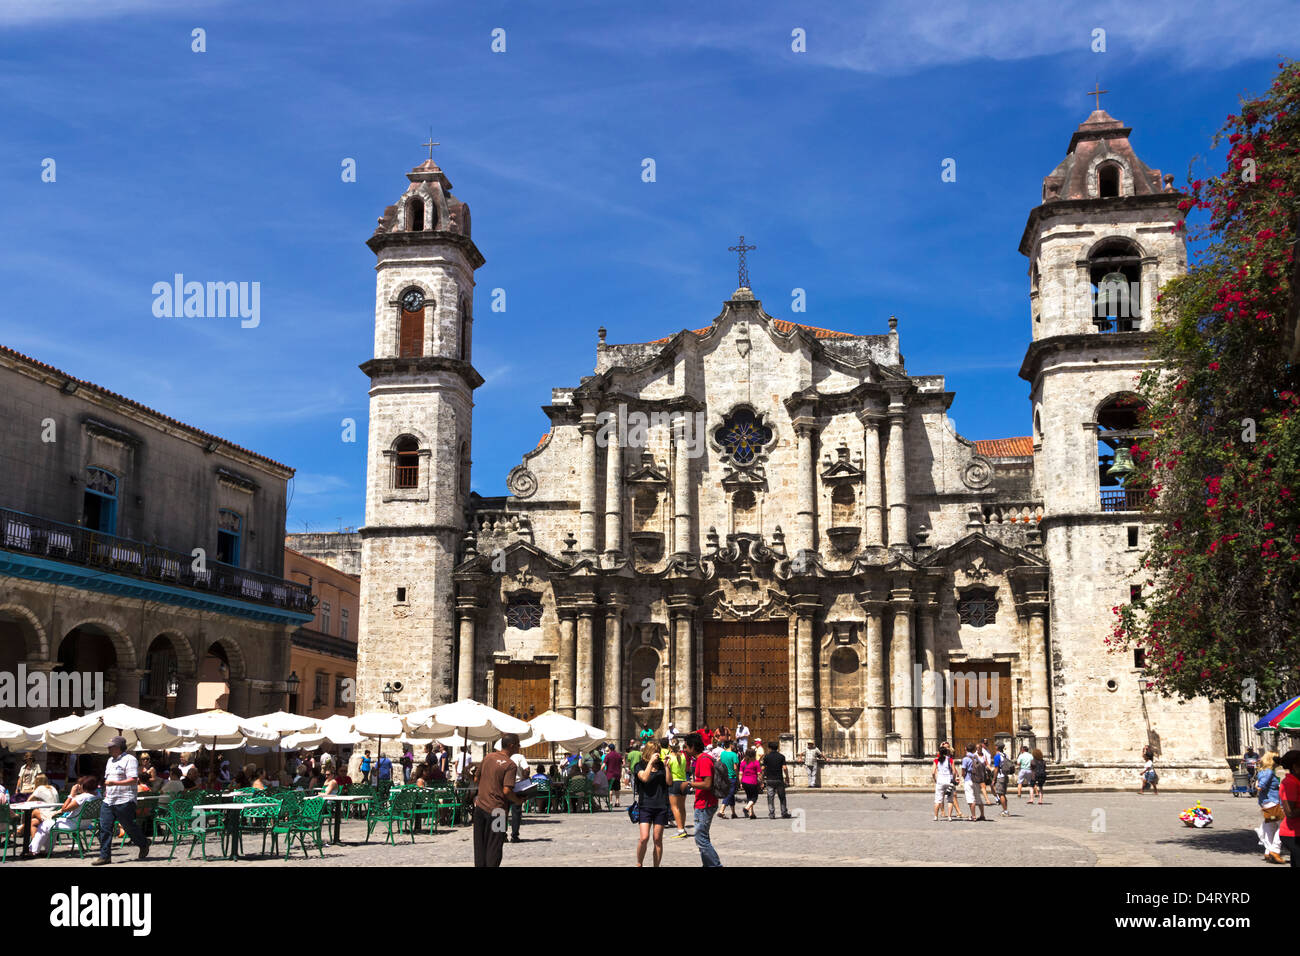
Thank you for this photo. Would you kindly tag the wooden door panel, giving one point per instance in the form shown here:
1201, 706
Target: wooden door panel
524, 691
746, 675
968, 724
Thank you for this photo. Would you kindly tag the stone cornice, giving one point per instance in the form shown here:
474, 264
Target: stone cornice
383, 240
1081, 341
422, 365
1096, 208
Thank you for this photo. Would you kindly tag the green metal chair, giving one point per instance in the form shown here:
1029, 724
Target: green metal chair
395, 811
306, 821
85, 826
579, 791
539, 795
9, 821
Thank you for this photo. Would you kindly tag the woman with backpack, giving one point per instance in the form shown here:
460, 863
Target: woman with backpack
1269, 784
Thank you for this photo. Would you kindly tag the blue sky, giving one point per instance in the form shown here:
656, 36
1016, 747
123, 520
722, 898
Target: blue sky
225, 165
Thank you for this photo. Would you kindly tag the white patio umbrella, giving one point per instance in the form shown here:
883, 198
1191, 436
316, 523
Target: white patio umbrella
221, 730
338, 730
90, 733
285, 725
472, 720
303, 741
563, 732
380, 725
17, 738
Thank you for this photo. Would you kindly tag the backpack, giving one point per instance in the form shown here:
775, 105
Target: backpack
721, 781
977, 771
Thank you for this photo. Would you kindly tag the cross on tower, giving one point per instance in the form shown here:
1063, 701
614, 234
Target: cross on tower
742, 271
430, 144
1096, 91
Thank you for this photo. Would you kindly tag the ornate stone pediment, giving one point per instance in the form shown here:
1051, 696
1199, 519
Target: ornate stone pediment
842, 469
745, 600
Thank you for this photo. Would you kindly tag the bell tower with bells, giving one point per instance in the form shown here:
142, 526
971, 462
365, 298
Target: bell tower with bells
418, 448
1099, 247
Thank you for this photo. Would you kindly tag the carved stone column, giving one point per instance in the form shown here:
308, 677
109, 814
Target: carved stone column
683, 490
613, 496
682, 608
927, 612
613, 720
896, 477
805, 522
566, 665
467, 621
877, 704
1039, 709
873, 491
901, 675
585, 676
587, 528
806, 607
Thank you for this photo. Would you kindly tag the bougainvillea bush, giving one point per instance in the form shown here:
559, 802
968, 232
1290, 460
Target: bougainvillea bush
1220, 607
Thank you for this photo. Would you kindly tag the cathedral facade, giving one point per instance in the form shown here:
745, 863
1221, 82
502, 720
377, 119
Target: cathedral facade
764, 522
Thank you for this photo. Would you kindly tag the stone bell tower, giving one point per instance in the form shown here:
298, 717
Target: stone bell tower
418, 449
1100, 246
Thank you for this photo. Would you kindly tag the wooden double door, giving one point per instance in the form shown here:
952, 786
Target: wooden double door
981, 707
524, 691
747, 676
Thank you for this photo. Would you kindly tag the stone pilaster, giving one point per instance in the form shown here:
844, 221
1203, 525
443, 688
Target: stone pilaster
872, 490
683, 490
467, 609
806, 518
613, 720
682, 608
877, 702
565, 666
931, 717
1039, 709
805, 699
585, 664
901, 657
587, 527
613, 496
896, 476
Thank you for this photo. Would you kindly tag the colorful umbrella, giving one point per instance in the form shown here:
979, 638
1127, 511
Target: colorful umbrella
1285, 716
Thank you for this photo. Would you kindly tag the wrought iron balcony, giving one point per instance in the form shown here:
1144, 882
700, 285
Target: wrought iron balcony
43, 538
1125, 499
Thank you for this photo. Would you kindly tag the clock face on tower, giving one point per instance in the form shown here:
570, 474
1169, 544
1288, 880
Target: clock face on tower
412, 300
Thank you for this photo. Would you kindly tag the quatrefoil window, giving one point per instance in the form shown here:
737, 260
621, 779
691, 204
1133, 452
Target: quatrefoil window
743, 436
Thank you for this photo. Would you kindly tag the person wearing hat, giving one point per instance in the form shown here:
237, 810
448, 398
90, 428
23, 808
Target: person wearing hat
1289, 792
121, 776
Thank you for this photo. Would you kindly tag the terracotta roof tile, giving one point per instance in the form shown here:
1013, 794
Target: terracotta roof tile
144, 408
1005, 447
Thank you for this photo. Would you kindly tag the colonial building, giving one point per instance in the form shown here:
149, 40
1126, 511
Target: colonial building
324, 650
767, 522
138, 548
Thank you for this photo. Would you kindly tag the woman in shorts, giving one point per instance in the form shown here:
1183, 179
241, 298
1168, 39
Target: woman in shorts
1039, 769
1000, 780
650, 783
676, 763
944, 777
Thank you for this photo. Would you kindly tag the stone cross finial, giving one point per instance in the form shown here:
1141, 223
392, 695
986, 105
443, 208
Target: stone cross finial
1097, 91
430, 144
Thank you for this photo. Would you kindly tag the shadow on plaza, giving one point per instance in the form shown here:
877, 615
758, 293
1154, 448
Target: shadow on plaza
1218, 841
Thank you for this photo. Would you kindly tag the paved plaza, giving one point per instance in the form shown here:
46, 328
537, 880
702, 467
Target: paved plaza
830, 829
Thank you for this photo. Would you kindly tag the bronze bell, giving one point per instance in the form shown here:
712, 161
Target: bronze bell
1123, 469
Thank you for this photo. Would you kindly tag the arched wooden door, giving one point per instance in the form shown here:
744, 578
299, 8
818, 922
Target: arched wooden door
747, 676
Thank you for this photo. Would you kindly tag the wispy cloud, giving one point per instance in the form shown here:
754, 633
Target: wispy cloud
24, 12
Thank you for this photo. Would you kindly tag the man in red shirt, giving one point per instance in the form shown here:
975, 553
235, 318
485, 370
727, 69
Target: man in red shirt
1289, 797
706, 804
